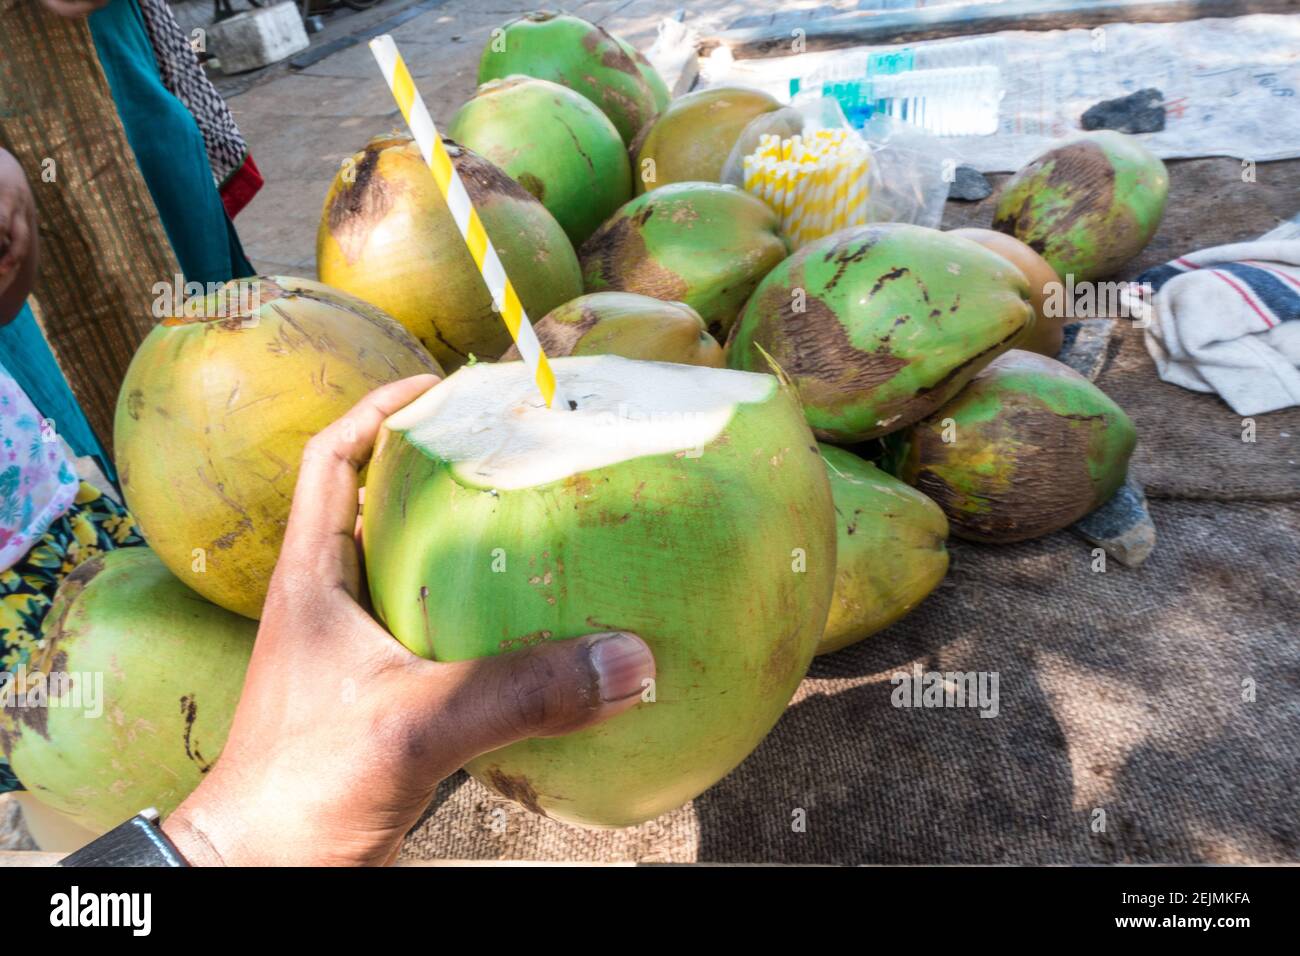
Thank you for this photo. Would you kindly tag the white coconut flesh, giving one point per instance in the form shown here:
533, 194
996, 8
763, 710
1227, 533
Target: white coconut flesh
491, 423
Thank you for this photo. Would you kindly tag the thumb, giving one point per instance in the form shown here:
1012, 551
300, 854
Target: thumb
546, 690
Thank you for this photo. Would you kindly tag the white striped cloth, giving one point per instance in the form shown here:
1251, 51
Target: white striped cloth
1227, 320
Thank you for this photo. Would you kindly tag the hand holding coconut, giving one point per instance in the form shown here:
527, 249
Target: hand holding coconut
341, 734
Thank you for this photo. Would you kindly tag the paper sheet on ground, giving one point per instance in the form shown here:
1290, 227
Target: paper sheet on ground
1231, 86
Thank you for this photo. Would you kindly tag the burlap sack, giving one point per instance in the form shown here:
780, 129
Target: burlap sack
1192, 445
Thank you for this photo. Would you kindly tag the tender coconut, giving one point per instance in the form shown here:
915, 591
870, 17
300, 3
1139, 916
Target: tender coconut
686, 505
502, 435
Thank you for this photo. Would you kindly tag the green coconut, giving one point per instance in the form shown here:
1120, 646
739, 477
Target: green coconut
387, 236
891, 550
1087, 205
1029, 447
217, 406
143, 676
553, 142
492, 522
580, 55
691, 139
624, 323
658, 88
704, 244
880, 325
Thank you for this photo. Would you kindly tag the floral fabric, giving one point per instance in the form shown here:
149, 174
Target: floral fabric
37, 480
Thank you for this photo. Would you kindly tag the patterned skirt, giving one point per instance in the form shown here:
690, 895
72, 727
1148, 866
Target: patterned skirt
94, 524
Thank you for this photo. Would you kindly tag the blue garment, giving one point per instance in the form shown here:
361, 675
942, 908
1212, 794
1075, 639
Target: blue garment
168, 148
27, 357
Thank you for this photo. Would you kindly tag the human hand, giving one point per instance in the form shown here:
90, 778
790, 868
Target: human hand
17, 237
341, 734
74, 9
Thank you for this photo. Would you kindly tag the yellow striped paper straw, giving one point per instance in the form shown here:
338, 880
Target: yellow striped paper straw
467, 221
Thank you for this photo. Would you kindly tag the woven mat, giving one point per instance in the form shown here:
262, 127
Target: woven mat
1122, 733
1190, 444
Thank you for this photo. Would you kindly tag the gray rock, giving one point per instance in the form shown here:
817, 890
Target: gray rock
1122, 527
969, 185
1140, 112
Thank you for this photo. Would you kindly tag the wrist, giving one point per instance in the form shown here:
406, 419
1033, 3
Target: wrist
191, 840
209, 830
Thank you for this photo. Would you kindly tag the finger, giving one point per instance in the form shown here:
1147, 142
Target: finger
471, 707
318, 540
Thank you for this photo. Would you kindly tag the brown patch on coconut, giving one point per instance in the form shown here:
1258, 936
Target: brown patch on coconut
533, 185
613, 55
484, 181
618, 253
625, 104
519, 789
190, 713
845, 256
1083, 173
814, 348
360, 204
557, 338
1050, 487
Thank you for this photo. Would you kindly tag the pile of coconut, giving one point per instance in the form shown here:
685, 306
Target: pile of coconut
761, 460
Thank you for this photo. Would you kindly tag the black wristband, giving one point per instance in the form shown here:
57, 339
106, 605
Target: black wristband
137, 842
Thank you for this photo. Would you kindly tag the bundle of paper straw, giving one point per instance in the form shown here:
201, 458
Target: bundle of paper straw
816, 183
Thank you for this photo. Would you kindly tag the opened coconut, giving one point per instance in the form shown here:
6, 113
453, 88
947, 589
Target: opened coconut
553, 142
1029, 447
1087, 205
492, 522
880, 325
140, 677
692, 138
704, 244
580, 55
891, 551
215, 410
626, 324
387, 236
1046, 332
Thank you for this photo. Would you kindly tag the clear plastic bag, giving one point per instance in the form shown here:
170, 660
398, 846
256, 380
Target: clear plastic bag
906, 168
907, 181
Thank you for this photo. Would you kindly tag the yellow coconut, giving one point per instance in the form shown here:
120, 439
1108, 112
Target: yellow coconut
691, 139
215, 410
891, 549
387, 236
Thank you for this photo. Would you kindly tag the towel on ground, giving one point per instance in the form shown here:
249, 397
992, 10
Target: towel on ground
1227, 320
